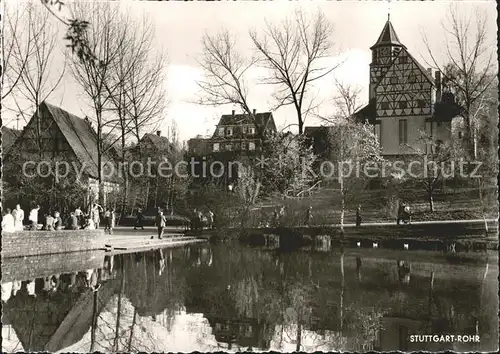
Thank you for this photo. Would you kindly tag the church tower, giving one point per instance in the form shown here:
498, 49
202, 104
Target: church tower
404, 100
384, 51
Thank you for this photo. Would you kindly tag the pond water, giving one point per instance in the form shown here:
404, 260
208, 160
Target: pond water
234, 298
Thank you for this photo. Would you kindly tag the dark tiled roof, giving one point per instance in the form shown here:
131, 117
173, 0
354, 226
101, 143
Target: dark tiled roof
266, 119
80, 136
367, 114
161, 143
9, 136
388, 37
314, 131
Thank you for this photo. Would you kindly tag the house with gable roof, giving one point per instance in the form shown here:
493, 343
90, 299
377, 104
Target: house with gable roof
238, 132
9, 136
405, 99
237, 138
64, 137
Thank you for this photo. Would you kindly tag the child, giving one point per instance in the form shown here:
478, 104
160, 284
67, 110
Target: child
90, 224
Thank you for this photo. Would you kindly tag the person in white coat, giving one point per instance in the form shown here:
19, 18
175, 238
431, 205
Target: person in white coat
18, 215
8, 224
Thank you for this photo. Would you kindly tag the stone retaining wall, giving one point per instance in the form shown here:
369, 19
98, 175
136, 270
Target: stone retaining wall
34, 243
29, 268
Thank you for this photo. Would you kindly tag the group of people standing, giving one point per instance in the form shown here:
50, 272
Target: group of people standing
12, 221
199, 220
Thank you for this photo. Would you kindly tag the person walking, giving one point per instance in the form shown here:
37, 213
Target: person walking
139, 220
276, 217
194, 222
18, 215
33, 218
358, 216
200, 219
407, 213
401, 209
161, 222
112, 221
210, 219
107, 220
8, 224
308, 216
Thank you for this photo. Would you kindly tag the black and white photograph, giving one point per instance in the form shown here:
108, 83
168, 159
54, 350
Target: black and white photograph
249, 176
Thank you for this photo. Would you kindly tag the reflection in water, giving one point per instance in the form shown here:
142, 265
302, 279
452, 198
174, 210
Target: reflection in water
230, 298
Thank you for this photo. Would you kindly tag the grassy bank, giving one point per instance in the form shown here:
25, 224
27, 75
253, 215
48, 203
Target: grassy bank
376, 206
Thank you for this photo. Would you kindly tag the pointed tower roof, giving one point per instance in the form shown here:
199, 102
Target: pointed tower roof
388, 36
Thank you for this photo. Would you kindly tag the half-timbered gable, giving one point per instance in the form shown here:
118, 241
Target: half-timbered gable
406, 89
405, 100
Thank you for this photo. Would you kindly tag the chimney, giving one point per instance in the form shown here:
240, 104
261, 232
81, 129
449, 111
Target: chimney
254, 111
87, 120
234, 112
158, 132
438, 86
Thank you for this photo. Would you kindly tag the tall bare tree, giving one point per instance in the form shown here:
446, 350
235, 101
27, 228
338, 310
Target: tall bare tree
469, 68
145, 91
104, 37
32, 63
225, 72
17, 46
294, 54
145, 95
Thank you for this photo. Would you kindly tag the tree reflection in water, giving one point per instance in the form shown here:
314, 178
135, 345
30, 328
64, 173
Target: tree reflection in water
222, 297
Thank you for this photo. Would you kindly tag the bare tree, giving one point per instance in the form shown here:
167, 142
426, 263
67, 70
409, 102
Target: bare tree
293, 54
17, 46
139, 96
32, 65
347, 101
145, 92
469, 65
104, 38
436, 161
225, 71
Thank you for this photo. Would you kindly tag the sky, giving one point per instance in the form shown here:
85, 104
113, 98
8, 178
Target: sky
357, 25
